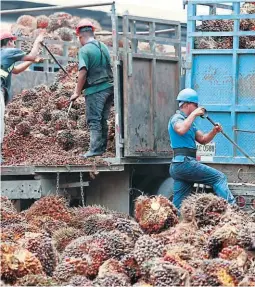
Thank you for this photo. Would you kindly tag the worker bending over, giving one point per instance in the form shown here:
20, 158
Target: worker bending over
185, 169
9, 56
95, 80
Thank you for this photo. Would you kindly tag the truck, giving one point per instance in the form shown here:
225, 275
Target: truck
146, 85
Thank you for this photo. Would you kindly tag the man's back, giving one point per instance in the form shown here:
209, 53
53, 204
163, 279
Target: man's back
93, 56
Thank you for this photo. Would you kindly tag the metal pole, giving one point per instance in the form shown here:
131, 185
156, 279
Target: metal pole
55, 8
117, 93
234, 143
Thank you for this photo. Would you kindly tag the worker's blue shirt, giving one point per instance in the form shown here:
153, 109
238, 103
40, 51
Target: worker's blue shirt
181, 141
8, 58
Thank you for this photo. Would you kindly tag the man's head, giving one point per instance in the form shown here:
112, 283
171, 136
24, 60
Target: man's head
188, 100
7, 39
85, 30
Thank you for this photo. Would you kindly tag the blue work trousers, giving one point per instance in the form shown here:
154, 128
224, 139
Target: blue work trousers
98, 107
186, 173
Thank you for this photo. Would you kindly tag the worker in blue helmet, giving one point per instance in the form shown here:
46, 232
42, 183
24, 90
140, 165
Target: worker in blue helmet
185, 169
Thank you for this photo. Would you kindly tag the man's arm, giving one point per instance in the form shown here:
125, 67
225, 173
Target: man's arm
206, 138
82, 76
182, 127
23, 66
35, 50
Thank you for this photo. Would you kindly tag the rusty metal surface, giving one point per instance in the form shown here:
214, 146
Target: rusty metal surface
151, 83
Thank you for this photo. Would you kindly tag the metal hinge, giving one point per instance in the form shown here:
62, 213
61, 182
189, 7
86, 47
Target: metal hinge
186, 65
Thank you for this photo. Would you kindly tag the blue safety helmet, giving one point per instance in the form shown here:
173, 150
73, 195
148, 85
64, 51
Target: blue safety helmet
187, 96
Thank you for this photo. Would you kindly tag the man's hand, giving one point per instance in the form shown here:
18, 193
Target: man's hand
217, 129
199, 112
74, 97
38, 60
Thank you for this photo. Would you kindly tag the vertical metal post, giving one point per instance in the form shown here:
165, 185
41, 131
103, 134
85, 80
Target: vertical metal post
236, 7
117, 92
154, 82
191, 26
178, 52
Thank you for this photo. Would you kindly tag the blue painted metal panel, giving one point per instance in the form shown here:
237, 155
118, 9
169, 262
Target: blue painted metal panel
246, 121
246, 80
225, 81
212, 78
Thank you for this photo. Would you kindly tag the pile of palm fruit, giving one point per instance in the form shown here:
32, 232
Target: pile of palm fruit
51, 244
40, 132
226, 42
59, 27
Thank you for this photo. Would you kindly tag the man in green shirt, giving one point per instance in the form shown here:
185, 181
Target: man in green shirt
95, 80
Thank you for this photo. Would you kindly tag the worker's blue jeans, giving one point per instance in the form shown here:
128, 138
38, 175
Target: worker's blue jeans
98, 107
186, 173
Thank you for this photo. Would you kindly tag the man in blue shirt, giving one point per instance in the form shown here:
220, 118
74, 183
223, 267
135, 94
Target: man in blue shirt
9, 56
185, 169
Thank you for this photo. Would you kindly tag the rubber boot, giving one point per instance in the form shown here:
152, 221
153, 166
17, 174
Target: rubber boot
104, 138
95, 144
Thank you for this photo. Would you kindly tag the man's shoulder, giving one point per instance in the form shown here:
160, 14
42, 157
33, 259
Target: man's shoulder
177, 116
11, 51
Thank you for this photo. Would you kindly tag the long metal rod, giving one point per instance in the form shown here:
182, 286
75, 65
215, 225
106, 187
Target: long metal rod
56, 61
2, 12
234, 143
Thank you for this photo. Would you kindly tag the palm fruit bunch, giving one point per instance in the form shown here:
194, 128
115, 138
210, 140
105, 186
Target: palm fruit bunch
115, 243
98, 222
42, 247
111, 266
58, 20
68, 269
222, 237
248, 281
237, 255
23, 128
79, 280
74, 21
147, 247
89, 253
65, 140
27, 21
226, 42
65, 33
47, 223
179, 254
7, 209
159, 272
155, 214
246, 236
15, 231
131, 267
222, 271
112, 280
204, 209
17, 262
42, 21
20, 31
36, 280
185, 232
52, 206
128, 227
80, 213
63, 236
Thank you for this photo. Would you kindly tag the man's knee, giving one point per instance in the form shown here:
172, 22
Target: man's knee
222, 177
95, 125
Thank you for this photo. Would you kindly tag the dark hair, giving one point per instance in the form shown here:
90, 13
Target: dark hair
4, 42
89, 32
